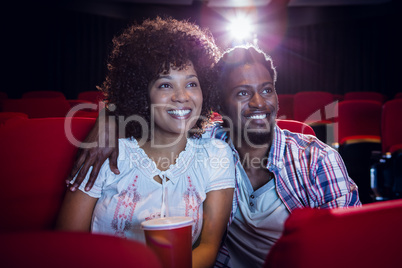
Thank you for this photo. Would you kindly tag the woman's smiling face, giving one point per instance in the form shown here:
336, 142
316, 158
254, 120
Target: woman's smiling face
176, 101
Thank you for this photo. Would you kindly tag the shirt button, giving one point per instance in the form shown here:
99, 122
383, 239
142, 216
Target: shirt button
252, 196
251, 204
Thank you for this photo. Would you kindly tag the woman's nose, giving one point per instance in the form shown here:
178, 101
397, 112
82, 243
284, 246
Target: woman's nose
180, 95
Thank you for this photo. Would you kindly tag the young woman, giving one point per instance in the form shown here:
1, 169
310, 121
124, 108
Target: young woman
160, 85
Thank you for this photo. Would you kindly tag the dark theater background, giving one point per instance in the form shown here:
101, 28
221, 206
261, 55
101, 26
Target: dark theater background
335, 46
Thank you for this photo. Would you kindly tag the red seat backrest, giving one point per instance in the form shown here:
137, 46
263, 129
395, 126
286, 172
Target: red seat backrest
369, 236
309, 106
359, 119
285, 106
365, 95
93, 96
295, 126
338, 97
391, 125
38, 107
73, 249
5, 116
36, 157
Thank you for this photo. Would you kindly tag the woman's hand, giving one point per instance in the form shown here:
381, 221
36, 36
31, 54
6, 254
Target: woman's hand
104, 134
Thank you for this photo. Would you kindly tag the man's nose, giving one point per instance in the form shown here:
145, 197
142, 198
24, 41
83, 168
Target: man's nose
180, 95
257, 101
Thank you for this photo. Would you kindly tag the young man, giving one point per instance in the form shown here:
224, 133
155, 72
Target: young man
277, 171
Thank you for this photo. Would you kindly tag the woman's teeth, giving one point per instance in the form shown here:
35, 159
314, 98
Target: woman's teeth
179, 112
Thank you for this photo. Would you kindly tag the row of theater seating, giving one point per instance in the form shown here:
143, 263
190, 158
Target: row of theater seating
308, 106
40, 104
357, 122
37, 155
311, 106
91, 96
365, 129
368, 133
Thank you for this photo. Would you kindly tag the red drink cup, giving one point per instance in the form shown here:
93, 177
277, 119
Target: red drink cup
170, 238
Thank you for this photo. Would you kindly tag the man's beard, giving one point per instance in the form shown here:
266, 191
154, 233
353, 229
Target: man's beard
258, 137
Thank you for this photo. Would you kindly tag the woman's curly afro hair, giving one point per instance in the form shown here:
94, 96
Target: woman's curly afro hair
142, 52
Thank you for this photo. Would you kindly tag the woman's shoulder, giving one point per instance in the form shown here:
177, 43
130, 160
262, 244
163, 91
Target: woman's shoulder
129, 150
129, 144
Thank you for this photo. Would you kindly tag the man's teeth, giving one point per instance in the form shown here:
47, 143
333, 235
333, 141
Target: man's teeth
257, 116
179, 112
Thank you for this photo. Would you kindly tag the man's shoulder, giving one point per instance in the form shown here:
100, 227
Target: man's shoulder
304, 142
215, 131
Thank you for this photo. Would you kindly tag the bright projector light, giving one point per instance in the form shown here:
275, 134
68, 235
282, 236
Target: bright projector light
240, 28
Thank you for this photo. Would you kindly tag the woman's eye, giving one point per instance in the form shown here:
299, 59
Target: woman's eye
164, 86
192, 84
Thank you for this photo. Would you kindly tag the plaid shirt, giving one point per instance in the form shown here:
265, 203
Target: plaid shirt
308, 173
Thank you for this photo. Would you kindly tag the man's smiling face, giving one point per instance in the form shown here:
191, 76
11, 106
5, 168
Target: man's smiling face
251, 102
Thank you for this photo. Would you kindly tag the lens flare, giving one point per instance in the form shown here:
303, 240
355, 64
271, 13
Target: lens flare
240, 28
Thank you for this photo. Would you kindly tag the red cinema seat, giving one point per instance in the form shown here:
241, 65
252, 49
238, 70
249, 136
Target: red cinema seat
43, 94
93, 96
38, 107
365, 95
69, 249
315, 108
369, 236
398, 95
77, 102
391, 126
359, 121
285, 106
5, 116
36, 157
359, 134
386, 174
309, 106
338, 97
295, 126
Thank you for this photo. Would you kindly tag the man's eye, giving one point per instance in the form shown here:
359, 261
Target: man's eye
267, 90
242, 93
